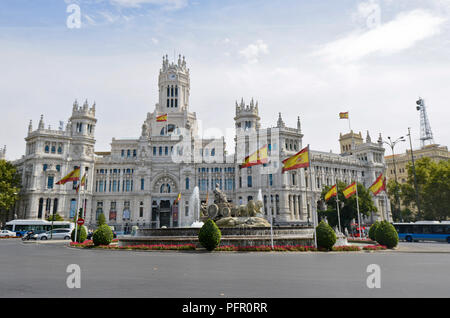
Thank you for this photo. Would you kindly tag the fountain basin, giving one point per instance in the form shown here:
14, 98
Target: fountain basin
230, 236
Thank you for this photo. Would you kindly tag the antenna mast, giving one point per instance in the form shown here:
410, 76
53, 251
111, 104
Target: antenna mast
425, 128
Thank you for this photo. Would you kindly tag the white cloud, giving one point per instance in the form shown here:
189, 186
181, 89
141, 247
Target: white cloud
399, 34
253, 52
166, 4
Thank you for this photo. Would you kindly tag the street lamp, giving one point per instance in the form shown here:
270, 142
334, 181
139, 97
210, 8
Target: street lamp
392, 145
416, 188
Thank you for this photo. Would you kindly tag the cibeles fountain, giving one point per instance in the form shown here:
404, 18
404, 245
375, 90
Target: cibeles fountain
243, 225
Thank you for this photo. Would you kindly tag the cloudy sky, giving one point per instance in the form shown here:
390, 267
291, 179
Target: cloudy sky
311, 59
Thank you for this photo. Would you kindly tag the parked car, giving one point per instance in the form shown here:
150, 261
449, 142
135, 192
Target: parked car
6, 233
58, 234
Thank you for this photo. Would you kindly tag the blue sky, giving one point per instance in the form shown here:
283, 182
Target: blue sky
311, 59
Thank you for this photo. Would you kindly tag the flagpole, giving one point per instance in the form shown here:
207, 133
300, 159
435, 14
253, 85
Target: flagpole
337, 206
312, 198
270, 210
78, 207
357, 208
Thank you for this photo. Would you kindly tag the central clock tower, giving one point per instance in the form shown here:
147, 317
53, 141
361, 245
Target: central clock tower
174, 86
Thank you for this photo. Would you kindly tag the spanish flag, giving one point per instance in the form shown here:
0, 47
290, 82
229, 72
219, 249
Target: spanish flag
178, 198
350, 190
72, 176
299, 160
343, 115
331, 193
259, 157
161, 118
82, 183
379, 185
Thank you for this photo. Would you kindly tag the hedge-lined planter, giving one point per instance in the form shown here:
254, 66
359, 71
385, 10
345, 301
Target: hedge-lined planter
229, 248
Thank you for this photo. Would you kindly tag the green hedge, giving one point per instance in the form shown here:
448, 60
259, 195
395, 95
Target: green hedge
326, 237
386, 235
373, 230
209, 235
81, 234
103, 235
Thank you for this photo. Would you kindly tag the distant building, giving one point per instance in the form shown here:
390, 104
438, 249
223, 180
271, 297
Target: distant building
434, 152
138, 180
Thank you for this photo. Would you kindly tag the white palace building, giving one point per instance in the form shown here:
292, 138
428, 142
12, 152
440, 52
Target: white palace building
138, 180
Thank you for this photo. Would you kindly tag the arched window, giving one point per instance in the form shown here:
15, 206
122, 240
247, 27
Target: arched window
47, 149
187, 183
168, 188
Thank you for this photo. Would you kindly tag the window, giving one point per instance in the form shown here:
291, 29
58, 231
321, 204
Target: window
45, 167
142, 184
99, 209
186, 208
154, 151
47, 149
58, 168
187, 183
123, 153
249, 181
55, 206
50, 182
41, 205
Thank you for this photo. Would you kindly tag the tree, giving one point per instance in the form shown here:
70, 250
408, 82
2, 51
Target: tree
325, 236
101, 220
393, 191
433, 183
9, 186
55, 217
209, 235
349, 211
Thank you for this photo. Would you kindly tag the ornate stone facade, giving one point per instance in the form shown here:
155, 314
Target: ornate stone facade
138, 180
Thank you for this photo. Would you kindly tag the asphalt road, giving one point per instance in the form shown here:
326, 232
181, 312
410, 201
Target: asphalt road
39, 270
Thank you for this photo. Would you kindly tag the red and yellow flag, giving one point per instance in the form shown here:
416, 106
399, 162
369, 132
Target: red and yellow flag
331, 193
379, 185
82, 183
343, 115
259, 157
161, 118
350, 190
72, 176
178, 198
299, 160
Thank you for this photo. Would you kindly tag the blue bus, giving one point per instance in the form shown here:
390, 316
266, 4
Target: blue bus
38, 226
424, 231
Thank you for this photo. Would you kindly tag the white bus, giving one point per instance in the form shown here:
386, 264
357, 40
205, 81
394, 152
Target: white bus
38, 226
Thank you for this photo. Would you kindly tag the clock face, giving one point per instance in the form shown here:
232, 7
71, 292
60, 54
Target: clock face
172, 77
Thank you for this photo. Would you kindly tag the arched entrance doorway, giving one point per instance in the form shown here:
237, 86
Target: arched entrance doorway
165, 213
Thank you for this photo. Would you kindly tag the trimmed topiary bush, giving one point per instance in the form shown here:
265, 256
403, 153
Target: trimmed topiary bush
209, 235
101, 219
386, 235
326, 237
373, 230
103, 235
81, 234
